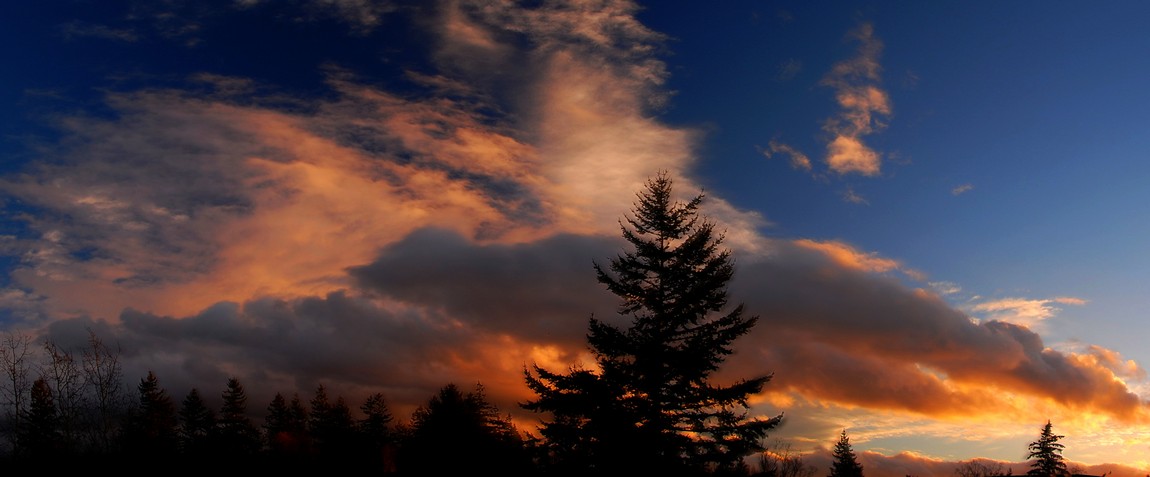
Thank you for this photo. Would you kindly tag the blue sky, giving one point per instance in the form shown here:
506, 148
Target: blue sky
1010, 164
934, 205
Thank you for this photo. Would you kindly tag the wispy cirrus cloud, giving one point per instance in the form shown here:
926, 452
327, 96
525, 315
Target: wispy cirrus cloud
74, 30
850, 195
1023, 311
798, 159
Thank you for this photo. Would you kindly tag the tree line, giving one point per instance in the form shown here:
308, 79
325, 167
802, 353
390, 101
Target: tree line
649, 406
77, 414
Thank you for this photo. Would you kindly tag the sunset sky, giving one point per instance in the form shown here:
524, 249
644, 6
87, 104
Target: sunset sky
935, 207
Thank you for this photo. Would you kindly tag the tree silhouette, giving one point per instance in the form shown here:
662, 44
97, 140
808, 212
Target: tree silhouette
236, 436
16, 360
40, 433
845, 463
467, 426
64, 377
152, 432
285, 433
197, 424
981, 468
1047, 455
104, 377
332, 428
652, 407
782, 461
375, 434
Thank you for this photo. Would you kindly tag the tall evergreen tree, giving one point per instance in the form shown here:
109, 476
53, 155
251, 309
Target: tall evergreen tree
332, 428
40, 434
845, 463
376, 421
282, 438
298, 418
286, 432
152, 430
197, 424
1047, 455
652, 405
236, 435
375, 434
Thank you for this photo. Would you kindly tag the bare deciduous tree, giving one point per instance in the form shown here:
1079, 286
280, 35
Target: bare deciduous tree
65, 378
103, 376
15, 359
981, 468
780, 460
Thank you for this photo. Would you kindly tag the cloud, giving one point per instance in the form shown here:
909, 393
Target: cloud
73, 30
797, 158
846, 154
853, 197
538, 291
834, 330
945, 288
184, 198
848, 257
363, 15
1022, 311
788, 70
433, 308
962, 189
864, 107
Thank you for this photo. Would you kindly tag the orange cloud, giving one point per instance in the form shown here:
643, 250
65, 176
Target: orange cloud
846, 256
826, 316
864, 106
846, 154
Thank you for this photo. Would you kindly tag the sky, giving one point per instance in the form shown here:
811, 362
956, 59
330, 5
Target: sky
933, 206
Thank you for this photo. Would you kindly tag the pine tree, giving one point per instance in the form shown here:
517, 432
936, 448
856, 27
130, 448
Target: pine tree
332, 427
277, 427
376, 420
235, 433
197, 422
1047, 455
845, 463
40, 434
286, 432
152, 430
651, 406
467, 426
375, 434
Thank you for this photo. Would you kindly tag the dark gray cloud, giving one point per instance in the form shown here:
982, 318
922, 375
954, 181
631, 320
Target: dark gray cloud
540, 291
432, 309
857, 338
